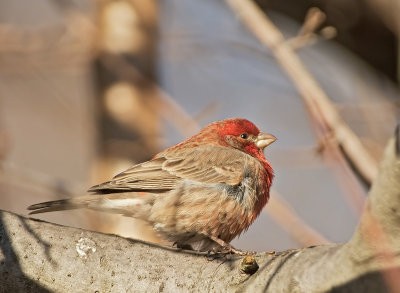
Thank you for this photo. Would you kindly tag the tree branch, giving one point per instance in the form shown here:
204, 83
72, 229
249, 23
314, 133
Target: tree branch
316, 100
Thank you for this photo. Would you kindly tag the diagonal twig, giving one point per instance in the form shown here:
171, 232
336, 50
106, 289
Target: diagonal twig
311, 92
331, 130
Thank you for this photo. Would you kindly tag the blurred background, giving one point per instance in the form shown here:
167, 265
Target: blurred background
91, 87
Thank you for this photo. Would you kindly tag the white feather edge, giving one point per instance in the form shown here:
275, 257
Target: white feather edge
126, 207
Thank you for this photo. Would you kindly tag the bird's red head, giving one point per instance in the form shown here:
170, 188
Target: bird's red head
244, 135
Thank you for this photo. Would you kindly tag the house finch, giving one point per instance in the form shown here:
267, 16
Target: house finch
199, 194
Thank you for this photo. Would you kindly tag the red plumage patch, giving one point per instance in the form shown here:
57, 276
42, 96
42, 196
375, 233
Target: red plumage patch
237, 126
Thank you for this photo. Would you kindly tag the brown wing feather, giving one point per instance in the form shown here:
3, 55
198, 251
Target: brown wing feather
208, 164
147, 176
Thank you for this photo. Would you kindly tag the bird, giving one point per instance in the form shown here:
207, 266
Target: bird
198, 194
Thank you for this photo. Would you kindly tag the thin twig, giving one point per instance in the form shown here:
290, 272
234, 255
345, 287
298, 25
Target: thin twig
307, 33
312, 94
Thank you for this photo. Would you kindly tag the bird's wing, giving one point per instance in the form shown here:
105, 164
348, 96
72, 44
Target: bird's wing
208, 164
147, 176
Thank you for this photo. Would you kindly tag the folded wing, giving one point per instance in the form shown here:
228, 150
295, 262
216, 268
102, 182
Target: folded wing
127, 191
209, 164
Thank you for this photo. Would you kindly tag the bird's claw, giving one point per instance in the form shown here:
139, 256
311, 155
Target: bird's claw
229, 249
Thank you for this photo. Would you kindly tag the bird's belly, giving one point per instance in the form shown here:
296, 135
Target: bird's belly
196, 210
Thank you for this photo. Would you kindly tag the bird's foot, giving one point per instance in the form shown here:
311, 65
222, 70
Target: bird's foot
232, 250
226, 248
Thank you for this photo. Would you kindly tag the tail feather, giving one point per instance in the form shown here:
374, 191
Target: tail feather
56, 205
128, 204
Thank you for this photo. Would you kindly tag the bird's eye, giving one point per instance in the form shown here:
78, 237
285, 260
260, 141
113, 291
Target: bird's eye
244, 135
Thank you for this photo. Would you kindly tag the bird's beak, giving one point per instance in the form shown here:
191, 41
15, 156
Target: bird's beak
264, 139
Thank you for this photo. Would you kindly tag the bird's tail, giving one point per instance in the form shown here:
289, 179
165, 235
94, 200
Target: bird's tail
129, 204
59, 205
